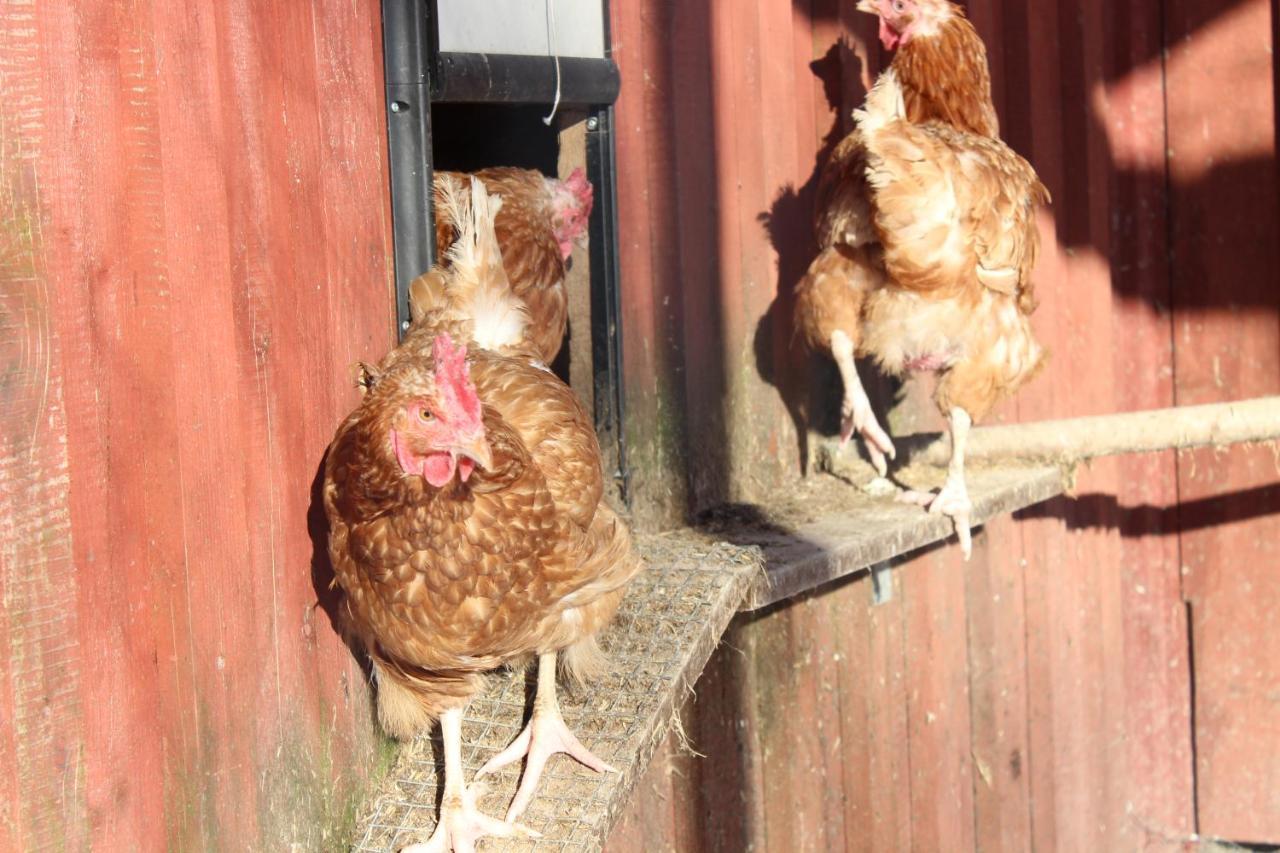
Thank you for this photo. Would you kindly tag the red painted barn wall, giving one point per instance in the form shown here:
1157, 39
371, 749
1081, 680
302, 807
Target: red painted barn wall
1042, 695
196, 249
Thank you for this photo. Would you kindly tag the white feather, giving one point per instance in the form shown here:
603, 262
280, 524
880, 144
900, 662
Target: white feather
479, 279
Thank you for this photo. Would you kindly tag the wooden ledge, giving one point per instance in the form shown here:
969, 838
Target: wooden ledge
695, 580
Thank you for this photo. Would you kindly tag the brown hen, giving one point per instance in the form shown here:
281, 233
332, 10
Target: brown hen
466, 522
538, 224
925, 264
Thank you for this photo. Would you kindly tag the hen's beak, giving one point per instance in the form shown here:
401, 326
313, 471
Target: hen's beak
867, 6
477, 450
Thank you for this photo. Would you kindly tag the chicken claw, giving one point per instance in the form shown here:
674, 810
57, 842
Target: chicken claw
544, 736
461, 825
875, 439
856, 411
952, 501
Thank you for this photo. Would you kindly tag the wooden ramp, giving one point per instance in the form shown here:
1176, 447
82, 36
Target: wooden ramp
695, 580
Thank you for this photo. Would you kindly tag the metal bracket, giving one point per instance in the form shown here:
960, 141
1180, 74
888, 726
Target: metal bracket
882, 582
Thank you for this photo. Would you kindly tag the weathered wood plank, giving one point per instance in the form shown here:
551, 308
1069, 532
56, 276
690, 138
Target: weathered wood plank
864, 530
648, 246
937, 684
191, 332
41, 714
997, 663
1224, 220
726, 731
1156, 664
103, 179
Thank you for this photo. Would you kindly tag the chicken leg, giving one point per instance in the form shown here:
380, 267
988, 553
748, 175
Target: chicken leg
856, 411
544, 736
953, 499
461, 823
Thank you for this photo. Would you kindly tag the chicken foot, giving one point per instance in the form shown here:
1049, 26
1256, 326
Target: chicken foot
953, 499
461, 824
855, 412
544, 736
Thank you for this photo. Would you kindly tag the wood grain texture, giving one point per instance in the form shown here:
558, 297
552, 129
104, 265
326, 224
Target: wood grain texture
42, 720
220, 260
1226, 327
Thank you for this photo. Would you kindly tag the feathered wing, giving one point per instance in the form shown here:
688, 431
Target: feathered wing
843, 211
953, 210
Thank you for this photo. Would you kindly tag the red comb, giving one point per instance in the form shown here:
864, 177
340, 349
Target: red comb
453, 383
580, 187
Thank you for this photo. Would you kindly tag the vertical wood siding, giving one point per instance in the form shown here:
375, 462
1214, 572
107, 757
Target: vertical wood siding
196, 250
1042, 695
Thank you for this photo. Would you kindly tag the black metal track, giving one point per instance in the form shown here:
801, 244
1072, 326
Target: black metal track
606, 293
405, 41
477, 78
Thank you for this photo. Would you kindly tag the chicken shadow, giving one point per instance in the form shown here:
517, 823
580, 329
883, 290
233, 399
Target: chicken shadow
329, 596
808, 382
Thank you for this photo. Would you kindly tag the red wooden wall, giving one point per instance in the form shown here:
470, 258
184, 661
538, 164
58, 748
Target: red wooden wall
1102, 675
191, 261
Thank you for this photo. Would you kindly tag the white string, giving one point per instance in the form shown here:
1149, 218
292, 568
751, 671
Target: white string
551, 44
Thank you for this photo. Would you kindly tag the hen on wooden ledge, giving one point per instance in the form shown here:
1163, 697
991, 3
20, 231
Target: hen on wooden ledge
927, 229
466, 522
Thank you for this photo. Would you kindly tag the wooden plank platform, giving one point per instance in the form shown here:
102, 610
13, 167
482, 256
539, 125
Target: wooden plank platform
743, 557
856, 529
666, 628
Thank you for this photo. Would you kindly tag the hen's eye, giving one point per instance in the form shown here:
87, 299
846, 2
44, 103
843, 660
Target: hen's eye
425, 414
899, 6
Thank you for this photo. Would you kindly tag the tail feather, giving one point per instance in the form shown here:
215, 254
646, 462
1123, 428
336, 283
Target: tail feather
410, 701
476, 251
477, 286
913, 189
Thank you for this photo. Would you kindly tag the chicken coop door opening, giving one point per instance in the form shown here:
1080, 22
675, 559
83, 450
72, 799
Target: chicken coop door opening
479, 90
470, 137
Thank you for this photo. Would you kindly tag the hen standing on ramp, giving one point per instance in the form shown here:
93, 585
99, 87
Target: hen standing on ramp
466, 523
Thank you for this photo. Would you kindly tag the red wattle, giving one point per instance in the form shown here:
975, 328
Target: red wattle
465, 467
438, 469
889, 37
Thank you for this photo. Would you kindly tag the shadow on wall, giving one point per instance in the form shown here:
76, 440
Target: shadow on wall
1104, 510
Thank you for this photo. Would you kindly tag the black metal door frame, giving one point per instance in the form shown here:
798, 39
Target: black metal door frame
419, 74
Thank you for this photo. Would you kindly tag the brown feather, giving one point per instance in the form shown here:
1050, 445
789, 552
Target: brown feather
444, 584
530, 251
933, 268
946, 78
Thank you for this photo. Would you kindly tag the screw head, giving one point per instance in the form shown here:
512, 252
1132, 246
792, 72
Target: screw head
593, 123
399, 107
